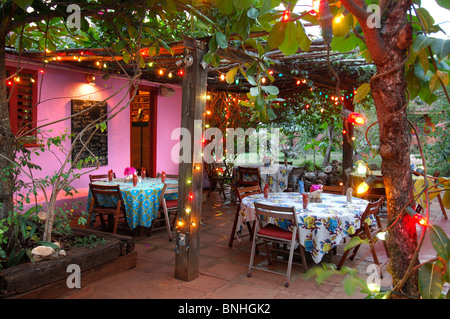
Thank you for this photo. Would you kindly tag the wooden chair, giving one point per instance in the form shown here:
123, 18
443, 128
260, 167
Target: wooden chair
242, 193
368, 232
100, 177
166, 208
173, 176
113, 213
270, 233
247, 176
339, 190
218, 176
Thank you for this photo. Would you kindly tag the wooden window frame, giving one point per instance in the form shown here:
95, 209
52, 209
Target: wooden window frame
14, 100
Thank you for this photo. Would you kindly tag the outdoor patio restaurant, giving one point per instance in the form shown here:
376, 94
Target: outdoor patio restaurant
191, 171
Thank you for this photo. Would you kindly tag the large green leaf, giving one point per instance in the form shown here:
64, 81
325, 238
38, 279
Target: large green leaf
24, 4
302, 38
444, 4
446, 199
421, 41
242, 4
271, 89
440, 241
413, 84
231, 74
425, 18
345, 44
290, 44
276, 35
434, 81
221, 39
441, 47
225, 7
430, 281
362, 92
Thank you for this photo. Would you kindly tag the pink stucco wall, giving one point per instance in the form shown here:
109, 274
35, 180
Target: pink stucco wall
169, 118
57, 86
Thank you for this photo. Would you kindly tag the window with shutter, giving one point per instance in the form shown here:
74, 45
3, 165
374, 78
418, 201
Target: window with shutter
22, 90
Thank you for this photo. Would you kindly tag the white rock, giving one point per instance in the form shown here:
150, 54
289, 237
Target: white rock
62, 253
42, 251
42, 216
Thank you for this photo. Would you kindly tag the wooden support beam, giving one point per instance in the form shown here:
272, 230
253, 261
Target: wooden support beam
347, 147
191, 166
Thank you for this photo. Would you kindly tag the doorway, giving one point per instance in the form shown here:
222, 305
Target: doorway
143, 130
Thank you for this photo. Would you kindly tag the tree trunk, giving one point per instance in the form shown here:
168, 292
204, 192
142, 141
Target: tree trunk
326, 158
395, 139
6, 139
388, 45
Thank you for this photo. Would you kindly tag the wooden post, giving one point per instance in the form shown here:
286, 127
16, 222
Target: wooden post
191, 170
347, 147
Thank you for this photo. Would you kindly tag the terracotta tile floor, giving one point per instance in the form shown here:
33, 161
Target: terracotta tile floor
223, 270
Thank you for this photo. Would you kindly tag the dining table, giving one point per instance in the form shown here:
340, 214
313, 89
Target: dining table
141, 201
322, 226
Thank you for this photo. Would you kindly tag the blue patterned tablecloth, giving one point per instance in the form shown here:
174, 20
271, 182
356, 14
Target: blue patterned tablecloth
141, 201
321, 227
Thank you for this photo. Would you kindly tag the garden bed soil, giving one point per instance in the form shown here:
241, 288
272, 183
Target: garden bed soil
48, 279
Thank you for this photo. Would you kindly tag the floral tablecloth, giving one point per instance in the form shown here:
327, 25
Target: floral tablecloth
276, 176
141, 201
322, 227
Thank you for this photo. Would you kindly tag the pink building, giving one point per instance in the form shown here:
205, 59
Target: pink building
144, 142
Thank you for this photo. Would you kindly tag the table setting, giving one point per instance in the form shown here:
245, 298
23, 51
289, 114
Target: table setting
323, 225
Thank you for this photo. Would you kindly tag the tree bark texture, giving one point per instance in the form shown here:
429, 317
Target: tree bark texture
395, 140
6, 137
388, 46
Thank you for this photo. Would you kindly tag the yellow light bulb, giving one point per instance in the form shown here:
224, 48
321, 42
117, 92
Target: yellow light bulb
362, 188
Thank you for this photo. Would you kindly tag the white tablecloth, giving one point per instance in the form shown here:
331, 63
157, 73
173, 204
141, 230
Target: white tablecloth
322, 227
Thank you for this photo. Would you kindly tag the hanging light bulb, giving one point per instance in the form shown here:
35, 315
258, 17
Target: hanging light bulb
364, 186
362, 167
353, 117
419, 219
316, 5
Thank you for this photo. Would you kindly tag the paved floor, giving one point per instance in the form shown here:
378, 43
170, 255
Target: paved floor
223, 270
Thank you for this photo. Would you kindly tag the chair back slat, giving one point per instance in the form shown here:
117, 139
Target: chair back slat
247, 191
105, 190
263, 210
371, 209
96, 177
339, 190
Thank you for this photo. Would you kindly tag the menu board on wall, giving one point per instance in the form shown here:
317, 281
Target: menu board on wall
98, 144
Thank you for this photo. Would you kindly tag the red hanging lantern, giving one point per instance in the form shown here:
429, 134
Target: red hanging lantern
353, 117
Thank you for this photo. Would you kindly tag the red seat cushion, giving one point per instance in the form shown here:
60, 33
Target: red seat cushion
171, 203
274, 231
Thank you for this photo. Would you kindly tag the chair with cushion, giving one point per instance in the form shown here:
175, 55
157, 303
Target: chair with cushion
247, 176
101, 207
242, 193
98, 177
166, 208
368, 230
271, 233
